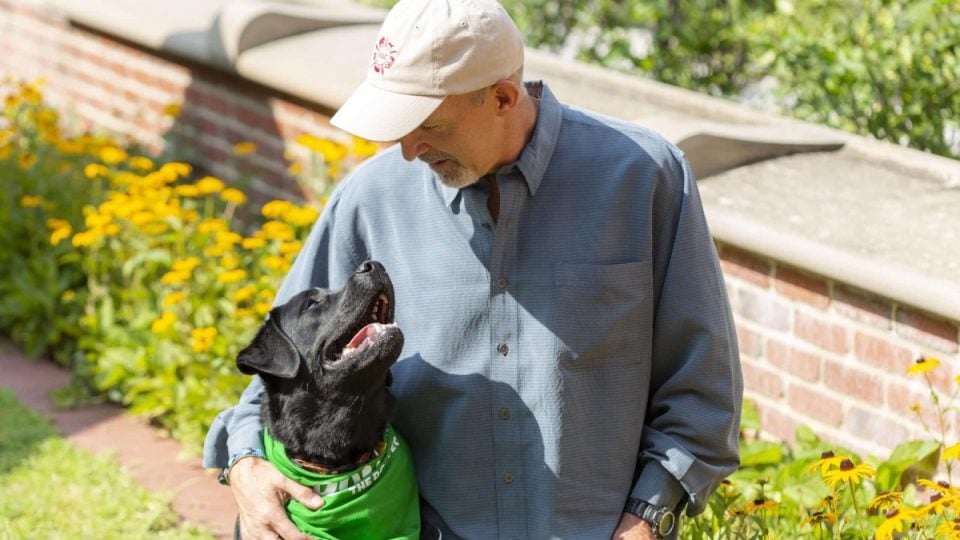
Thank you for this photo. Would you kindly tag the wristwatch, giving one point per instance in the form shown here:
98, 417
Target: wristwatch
661, 519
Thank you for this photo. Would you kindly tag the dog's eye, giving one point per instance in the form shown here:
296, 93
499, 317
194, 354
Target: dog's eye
314, 303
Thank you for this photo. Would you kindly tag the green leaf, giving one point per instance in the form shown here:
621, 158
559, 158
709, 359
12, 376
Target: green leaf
909, 461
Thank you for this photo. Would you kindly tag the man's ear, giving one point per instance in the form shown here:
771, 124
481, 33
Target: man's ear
507, 94
270, 353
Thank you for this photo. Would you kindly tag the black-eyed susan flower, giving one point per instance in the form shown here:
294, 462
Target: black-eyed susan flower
886, 501
848, 472
173, 110
174, 298
923, 365
818, 517
163, 323
203, 338
760, 504
233, 195
363, 148
276, 209
828, 460
210, 184
111, 155
948, 530
892, 524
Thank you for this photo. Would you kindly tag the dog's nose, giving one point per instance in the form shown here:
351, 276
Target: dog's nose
367, 267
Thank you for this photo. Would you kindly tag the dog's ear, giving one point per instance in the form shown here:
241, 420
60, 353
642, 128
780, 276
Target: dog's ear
271, 353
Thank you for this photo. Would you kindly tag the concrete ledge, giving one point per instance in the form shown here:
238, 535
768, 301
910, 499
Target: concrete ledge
317, 51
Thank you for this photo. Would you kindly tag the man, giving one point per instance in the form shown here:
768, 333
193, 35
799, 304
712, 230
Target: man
570, 367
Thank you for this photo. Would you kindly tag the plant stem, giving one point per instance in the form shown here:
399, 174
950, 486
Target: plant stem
856, 509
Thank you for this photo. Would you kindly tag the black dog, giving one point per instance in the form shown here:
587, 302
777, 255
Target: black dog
325, 359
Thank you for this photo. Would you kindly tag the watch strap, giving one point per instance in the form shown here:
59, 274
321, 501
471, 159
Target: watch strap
661, 519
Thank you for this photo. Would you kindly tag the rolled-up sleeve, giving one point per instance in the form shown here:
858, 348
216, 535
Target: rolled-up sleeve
690, 438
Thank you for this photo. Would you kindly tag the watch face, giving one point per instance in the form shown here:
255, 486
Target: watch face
665, 526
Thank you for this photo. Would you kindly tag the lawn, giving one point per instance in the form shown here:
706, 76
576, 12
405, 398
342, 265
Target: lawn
52, 489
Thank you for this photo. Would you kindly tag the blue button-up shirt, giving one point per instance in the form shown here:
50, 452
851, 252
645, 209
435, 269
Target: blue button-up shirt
575, 351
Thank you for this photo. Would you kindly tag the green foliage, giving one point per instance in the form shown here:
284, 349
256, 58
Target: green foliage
50, 489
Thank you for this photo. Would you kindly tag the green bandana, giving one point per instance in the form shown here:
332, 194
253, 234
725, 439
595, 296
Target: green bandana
378, 501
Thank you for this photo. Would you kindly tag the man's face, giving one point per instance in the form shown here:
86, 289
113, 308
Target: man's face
458, 140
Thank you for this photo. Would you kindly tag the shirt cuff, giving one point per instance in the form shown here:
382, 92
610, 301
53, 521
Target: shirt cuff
247, 435
658, 487
224, 477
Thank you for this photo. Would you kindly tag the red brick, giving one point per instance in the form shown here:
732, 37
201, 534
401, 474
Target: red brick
815, 405
749, 342
762, 380
863, 308
867, 424
822, 333
745, 265
764, 308
881, 353
900, 399
853, 382
793, 360
779, 425
928, 330
802, 287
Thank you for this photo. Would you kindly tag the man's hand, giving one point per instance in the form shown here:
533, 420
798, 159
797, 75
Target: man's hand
632, 528
261, 492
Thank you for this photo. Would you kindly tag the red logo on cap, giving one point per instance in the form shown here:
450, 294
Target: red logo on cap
384, 55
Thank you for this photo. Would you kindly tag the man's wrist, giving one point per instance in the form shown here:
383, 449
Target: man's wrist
224, 477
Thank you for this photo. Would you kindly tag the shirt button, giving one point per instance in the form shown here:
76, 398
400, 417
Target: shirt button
502, 283
503, 349
504, 414
508, 478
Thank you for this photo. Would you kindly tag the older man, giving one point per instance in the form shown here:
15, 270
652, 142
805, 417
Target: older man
570, 367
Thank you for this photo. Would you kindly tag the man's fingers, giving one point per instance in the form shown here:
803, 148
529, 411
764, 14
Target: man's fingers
303, 494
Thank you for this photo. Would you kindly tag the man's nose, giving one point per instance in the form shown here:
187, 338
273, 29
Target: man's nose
413, 147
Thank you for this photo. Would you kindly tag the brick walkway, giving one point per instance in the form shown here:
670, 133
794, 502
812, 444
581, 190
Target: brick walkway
154, 459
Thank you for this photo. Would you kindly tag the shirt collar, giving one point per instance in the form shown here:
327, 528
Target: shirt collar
536, 155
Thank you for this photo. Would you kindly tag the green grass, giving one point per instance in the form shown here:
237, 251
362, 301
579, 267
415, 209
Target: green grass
52, 489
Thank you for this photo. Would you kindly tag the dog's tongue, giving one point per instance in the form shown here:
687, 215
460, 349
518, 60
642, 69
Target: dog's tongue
367, 333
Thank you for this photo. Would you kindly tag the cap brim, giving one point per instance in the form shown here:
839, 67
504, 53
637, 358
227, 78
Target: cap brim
378, 115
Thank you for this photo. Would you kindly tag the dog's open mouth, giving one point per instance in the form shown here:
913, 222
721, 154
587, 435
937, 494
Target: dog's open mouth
379, 320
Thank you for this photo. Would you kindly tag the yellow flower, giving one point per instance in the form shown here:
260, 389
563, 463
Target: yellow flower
290, 249
363, 148
277, 230
175, 277
85, 238
923, 365
177, 168
27, 160
229, 262
142, 218
232, 276
277, 263
163, 323
244, 293
59, 234
891, 525
244, 148
174, 298
828, 460
173, 110
253, 243
228, 238
301, 216
95, 220
951, 453
234, 196
112, 155
212, 225
186, 265
262, 308
890, 500
94, 170
141, 163
30, 201
948, 530
332, 151
275, 209
295, 168
68, 295
203, 338
760, 504
916, 408
209, 184
187, 190
153, 229
820, 517
848, 472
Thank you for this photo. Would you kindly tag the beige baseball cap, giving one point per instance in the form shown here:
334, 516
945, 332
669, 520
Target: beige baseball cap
427, 50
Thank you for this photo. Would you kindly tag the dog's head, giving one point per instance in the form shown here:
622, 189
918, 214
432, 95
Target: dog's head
343, 341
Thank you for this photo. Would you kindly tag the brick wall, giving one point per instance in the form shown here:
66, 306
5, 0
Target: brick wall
824, 354
814, 351
108, 84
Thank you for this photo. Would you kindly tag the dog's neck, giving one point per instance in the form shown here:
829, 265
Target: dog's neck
338, 435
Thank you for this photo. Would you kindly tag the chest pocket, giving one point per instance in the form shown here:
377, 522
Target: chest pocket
604, 313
